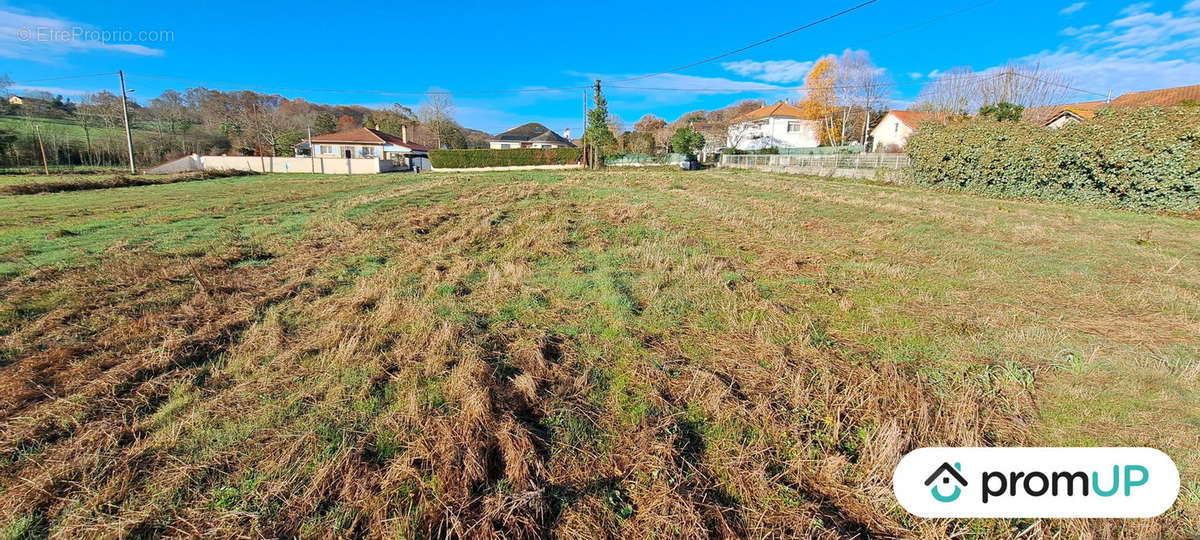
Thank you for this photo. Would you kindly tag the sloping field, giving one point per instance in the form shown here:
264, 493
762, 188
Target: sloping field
578, 354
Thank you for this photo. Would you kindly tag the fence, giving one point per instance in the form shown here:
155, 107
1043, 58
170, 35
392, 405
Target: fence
819, 161
879, 166
644, 160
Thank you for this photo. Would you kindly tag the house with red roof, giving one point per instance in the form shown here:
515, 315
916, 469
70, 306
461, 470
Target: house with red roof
892, 132
778, 126
363, 143
1061, 115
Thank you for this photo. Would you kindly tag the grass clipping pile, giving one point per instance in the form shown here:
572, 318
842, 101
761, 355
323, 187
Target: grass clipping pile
504, 364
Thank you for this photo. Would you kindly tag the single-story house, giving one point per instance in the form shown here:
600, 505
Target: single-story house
1070, 114
779, 126
366, 143
15, 100
1060, 115
531, 135
892, 132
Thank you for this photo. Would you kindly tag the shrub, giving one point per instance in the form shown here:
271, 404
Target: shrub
1145, 159
503, 158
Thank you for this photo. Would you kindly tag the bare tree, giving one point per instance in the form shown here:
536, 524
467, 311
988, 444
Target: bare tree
954, 92
437, 114
962, 91
864, 87
1031, 87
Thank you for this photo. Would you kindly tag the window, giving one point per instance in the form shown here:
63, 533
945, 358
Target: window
896, 127
505, 146
325, 149
545, 146
368, 151
794, 127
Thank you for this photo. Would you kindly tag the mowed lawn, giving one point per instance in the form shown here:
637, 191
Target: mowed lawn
584, 354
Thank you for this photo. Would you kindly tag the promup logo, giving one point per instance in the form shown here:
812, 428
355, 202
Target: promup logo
946, 473
1036, 482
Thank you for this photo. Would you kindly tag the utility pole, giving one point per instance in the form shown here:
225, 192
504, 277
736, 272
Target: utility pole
128, 135
38, 130
312, 158
583, 133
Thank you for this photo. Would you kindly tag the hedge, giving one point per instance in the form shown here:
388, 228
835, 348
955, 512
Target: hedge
1143, 159
449, 159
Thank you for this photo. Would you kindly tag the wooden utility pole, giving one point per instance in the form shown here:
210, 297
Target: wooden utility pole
45, 168
128, 135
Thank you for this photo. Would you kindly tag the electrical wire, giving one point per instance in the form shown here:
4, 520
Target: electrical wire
750, 46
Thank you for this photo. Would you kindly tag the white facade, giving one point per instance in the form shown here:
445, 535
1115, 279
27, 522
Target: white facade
773, 131
506, 145
891, 133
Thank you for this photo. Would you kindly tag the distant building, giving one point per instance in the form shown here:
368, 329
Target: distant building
531, 135
778, 126
1070, 114
364, 143
1057, 116
15, 100
892, 132
714, 138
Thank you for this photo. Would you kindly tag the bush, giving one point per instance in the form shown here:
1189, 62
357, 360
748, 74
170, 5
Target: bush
1145, 159
449, 159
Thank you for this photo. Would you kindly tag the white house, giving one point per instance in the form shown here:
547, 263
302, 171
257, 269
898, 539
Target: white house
365, 143
779, 125
892, 132
531, 135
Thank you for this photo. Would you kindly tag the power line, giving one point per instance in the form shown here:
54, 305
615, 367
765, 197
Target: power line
750, 46
1060, 85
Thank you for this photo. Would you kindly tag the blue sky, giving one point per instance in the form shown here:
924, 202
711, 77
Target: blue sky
472, 47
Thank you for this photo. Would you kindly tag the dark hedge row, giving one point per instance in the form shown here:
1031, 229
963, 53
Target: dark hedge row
1145, 159
449, 159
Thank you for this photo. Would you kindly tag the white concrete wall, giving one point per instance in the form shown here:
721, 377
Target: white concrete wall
186, 163
286, 164
890, 132
773, 132
496, 145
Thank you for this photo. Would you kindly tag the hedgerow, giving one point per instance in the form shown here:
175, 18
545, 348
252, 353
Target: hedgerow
1144, 159
503, 158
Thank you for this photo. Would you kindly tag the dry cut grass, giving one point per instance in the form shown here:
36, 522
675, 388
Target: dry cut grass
582, 355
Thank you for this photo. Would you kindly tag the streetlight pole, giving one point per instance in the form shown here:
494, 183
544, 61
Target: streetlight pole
125, 112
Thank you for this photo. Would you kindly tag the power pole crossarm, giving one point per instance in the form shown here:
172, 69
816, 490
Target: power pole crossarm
125, 113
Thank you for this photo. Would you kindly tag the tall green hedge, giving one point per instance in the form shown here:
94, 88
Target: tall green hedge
1145, 159
449, 159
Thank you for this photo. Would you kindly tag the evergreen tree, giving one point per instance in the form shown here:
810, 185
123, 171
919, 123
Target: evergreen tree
598, 135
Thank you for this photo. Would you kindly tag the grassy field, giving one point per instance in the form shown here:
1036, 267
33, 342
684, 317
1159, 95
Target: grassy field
62, 129
583, 354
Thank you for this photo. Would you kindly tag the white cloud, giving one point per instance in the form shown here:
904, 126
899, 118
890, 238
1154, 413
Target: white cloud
1072, 8
1138, 50
52, 90
772, 71
916, 76
46, 39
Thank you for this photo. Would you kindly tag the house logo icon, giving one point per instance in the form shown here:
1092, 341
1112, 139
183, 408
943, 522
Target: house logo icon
946, 473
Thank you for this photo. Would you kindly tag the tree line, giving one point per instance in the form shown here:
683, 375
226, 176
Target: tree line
204, 121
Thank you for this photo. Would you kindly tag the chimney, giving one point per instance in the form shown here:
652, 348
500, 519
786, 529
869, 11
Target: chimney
404, 133
567, 134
